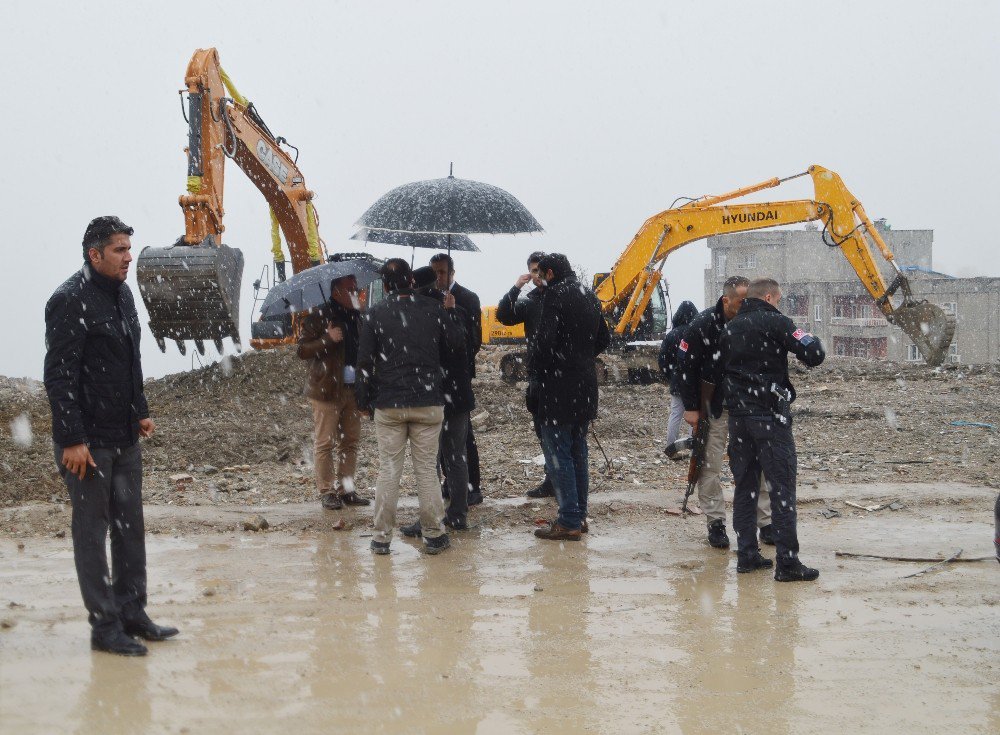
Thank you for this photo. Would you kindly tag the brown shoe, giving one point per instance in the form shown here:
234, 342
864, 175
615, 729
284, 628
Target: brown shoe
555, 532
352, 498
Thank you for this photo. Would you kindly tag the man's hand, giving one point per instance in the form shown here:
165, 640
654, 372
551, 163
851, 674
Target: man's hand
449, 300
335, 333
692, 417
146, 428
77, 458
521, 280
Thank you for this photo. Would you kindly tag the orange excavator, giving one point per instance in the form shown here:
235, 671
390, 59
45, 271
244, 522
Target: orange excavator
191, 288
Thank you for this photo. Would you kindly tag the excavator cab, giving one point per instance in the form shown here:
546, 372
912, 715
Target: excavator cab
192, 292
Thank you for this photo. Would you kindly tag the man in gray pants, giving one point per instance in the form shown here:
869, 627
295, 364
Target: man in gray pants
93, 379
698, 361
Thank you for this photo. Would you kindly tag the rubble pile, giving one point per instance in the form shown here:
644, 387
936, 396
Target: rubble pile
239, 432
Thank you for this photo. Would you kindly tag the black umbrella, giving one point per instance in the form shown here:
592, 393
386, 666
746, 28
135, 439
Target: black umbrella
311, 287
416, 239
449, 206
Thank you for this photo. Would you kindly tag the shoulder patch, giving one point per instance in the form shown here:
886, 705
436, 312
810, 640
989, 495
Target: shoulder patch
798, 334
803, 336
683, 346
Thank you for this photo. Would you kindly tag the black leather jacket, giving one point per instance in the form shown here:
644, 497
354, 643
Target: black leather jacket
93, 372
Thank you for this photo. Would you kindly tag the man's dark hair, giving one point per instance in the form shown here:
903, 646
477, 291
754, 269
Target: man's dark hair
762, 287
535, 257
396, 274
557, 263
732, 283
444, 258
99, 231
424, 276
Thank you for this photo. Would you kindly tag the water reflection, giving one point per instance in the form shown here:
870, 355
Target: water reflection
117, 697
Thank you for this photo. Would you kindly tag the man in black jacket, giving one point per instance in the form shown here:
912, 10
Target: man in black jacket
562, 393
399, 383
668, 369
93, 378
512, 309
444, 268
759, 394
700, 362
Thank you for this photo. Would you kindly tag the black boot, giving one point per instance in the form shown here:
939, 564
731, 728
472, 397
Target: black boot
115, 641
795, 571
717, 536
412, 530
475, 497
143, 627
752, 562
545, 490
767, 535
279, 271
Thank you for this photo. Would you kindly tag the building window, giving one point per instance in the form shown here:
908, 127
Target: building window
818, 316
865, 347
749, 261
913, 353
797, 304
950, 308
720, 264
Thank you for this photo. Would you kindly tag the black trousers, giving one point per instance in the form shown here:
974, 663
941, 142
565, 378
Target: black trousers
759, 443
472, 458
109, 498
453, 456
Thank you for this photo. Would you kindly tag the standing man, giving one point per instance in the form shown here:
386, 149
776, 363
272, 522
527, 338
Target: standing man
329, 341
759, 394
513, 309
699, 362
93, 378
399, 383
668, 368
444, 269
562, 394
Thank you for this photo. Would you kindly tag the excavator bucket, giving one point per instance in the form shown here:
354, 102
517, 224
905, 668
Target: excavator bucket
192, 292
928, 326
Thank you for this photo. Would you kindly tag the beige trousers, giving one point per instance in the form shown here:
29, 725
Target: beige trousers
710, 485
337, 426
421, 427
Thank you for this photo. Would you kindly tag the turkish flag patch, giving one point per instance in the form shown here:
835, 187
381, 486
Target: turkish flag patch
683, 346
798, 333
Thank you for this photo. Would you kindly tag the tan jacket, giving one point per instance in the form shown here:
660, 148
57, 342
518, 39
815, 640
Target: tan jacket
325, 379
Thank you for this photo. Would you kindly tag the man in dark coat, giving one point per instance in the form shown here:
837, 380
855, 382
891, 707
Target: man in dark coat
700, 362
759, 394
329, 341
562, 393
444, 268
668, 368
515, 308
93, 378
403, 340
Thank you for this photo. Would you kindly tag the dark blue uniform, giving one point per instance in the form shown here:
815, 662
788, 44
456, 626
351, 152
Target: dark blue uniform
758, 394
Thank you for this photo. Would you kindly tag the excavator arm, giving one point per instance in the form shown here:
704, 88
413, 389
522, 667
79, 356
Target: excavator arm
191, 289
635, 276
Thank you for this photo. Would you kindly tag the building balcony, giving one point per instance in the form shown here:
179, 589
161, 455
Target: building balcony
840, 321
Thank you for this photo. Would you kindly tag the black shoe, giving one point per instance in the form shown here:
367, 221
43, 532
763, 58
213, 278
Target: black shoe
436, 545
545, 490
795, 572
330, 501
412, 530
115, 641
380, 547
143, 627
767, 535
717, 535
752, 562
456, 524
475, 497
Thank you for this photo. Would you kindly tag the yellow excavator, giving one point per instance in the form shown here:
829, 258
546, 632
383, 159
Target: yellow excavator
632, 287
191, 288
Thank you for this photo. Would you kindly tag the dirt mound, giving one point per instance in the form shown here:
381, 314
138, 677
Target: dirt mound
242, 429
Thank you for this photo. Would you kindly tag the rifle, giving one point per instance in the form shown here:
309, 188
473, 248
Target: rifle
699, 443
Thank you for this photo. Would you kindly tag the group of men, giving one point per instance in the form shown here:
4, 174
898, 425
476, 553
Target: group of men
729, 366
407, 363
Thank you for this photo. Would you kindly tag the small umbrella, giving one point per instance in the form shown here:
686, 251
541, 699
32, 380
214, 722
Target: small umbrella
311, 287
449, 206
417, 240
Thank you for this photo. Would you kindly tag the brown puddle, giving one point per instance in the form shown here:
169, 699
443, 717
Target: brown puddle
639, 628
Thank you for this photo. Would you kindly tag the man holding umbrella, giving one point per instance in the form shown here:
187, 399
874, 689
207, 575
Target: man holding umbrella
329, 341
468, 301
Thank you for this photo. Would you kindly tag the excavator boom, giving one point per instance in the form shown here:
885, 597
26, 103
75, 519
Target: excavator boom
638, 270
191, 288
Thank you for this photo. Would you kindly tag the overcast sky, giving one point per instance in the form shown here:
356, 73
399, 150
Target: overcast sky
595, 115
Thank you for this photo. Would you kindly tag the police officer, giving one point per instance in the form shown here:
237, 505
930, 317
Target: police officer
699, 360
755, 347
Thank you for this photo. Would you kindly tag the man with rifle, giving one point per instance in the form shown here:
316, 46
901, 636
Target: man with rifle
699, 377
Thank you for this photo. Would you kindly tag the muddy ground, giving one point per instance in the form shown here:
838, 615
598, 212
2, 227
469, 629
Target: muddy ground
639, 628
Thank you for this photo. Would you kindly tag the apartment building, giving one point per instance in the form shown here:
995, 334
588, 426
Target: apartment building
824, 295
